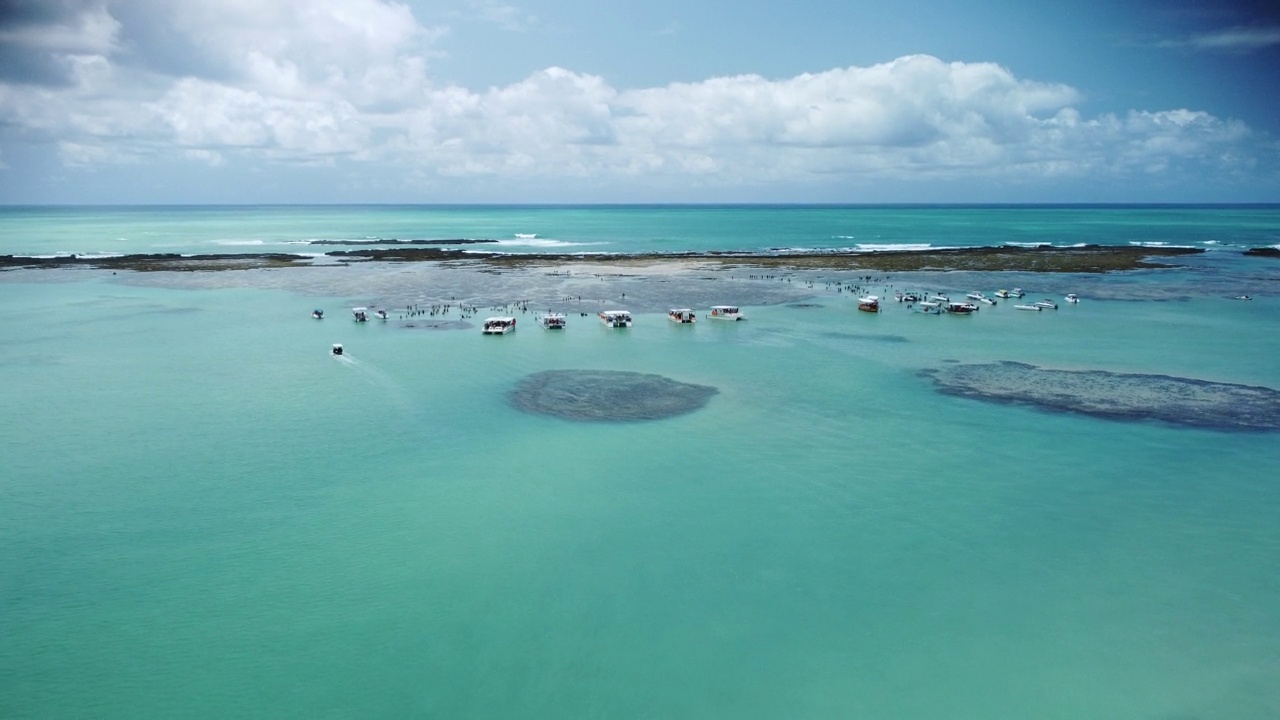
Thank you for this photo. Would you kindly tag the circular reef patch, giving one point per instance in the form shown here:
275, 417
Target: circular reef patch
1187, 402
607, 395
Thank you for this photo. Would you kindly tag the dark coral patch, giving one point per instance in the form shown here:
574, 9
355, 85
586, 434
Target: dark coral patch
607, 395
1186, 402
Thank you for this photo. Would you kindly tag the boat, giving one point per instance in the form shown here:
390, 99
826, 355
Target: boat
552, 321
1017, 292
1073, 298
382, 314
682, 315
981, 298
962, 308
615, 318
870, 303
1046, 304
928, 308
726, 312
499, 325
526, 236
1037, 308
940, 298
1243, 297
1003, 294
317, 314
360, 314
337, 348
909, 297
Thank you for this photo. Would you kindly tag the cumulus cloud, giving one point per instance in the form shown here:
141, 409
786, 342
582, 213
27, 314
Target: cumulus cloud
317, 81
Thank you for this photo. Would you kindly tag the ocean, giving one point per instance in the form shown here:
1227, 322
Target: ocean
205, 513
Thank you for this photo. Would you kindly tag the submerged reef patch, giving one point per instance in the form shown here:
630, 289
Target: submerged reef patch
1185, 402
607, 395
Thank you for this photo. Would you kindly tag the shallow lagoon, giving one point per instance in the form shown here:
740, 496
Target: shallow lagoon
207, 514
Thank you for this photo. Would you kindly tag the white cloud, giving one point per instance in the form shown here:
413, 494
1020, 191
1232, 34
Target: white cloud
318, 80
1234, 40
507, 17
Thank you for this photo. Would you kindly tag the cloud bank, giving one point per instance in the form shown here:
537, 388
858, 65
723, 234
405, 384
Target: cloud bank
322, 82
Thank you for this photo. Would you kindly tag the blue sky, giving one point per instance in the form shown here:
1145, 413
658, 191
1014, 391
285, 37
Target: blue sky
256, 101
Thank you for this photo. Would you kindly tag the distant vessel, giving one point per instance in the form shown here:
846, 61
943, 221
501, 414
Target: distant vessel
1017, 292
684, 316
1004, 294
526, 236
1073, 298
1046, 304
615, 318
382, 314
981, 298
360, 314
317, 314
337, 348
962, 308
552, 321
726, 312
1037, 308
929, 308
869, 303
499, 325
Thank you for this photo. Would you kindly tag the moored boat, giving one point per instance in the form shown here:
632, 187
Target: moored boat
869, 303
1017, 292
1037, 308
615, 318
1046, 304
961, 308
499, 325
552, 321
1003, 294
940, 298
1073, 298
928, 308
317, 314
337, 348
360, 314
726, 312
682, 315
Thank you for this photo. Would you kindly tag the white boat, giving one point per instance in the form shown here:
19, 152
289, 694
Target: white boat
726, 312
928, 308
1003, 294
499, 325
382, 314
526, 236
870, 303
909, 297
360, 314
1037, 308
615, 318
1073, 298
940, 298
1017, 292
962, 308
682, 315
337, 348
552, 321
981, 298
317, 314
1046, 304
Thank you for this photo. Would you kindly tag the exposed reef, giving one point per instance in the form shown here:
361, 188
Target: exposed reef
1087, 259
607, 395
1263, 252
1185, 402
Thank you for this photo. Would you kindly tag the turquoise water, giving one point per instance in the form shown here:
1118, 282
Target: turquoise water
203, 513
594, 229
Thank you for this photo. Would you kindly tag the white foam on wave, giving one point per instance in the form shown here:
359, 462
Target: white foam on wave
1029, 244
238, 242
891, 247
535, 242
83, 256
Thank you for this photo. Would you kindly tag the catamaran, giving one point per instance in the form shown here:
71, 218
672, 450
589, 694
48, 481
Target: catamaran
726, 312
682, 315
499, 325
615, 318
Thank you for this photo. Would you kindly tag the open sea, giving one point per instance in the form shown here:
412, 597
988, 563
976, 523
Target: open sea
205, 514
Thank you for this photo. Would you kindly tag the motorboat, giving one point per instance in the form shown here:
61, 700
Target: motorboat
962, 308
499, 325
981, 298
1073, 298
726, 312
360, 314
317, 314
682, 315
615, 318
928, 308
1046, 304
337, 348
380, 313
869, 303
1003, 294
1037, 308
1017, 292
940, 298
909, 297
552, 321
1243, 297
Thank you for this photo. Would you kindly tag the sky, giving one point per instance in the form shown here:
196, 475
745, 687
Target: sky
581, 101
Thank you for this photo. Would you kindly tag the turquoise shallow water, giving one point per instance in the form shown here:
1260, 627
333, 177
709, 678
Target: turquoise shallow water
205, 514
